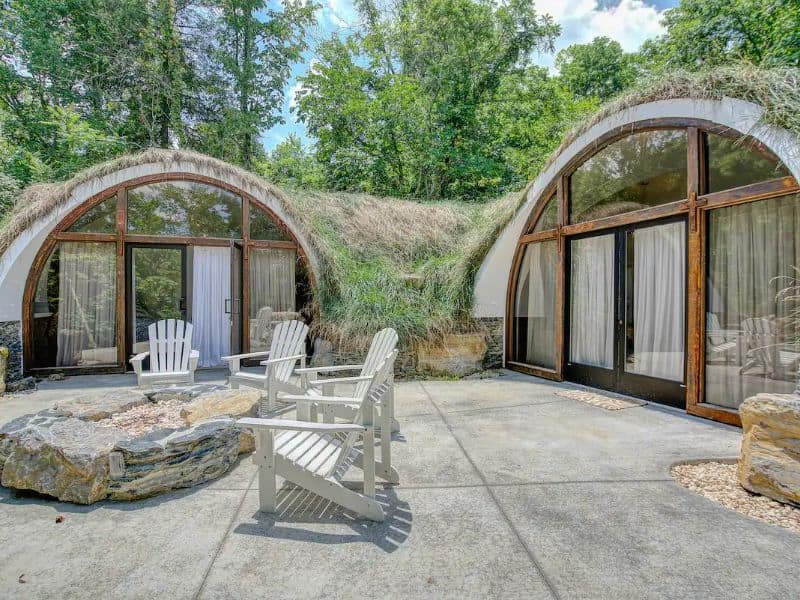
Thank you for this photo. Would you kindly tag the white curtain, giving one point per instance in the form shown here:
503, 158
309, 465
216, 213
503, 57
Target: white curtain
535, 304
211, 287
591, 338
272, 280
659, 292
86, 308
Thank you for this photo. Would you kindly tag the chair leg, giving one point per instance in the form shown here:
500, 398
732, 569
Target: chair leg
267, 491
369, 463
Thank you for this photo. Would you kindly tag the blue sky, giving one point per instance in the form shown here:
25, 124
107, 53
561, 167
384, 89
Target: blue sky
630, 22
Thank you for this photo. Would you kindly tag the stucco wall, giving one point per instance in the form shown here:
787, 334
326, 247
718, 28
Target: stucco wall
492, 280
15, 264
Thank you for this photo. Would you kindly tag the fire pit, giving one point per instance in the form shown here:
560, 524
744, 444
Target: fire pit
127, 445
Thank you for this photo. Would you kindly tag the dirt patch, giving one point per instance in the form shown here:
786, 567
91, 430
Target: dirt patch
717, 481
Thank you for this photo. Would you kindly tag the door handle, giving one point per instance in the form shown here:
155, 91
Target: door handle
227, 306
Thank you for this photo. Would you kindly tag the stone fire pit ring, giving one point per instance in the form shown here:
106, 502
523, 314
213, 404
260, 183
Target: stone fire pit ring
128, 444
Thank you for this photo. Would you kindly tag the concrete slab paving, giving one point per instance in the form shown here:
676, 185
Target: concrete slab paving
649, 540
157, 548
507, 491
442, 543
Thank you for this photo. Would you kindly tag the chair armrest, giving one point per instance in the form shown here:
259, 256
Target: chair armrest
356, 379
329, 369
273, 361
139, 357
248, 355
303, 399
285, 424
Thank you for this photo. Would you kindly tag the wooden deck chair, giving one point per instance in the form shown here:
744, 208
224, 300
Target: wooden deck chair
383, 343
288, 346
760, 338
172, 359
315, 456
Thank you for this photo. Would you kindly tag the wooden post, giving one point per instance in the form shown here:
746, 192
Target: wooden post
122, 218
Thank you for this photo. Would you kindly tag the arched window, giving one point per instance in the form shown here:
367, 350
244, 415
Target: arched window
175, 247
670, 232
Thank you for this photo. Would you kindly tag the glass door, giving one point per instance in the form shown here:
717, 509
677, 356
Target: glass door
156, 289
627, 311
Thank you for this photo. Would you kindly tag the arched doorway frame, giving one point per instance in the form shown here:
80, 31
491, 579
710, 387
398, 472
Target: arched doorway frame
694, 206
121, 238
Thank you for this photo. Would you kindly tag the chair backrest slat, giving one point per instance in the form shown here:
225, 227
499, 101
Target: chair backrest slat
382, 374
288, 339
170, 345
383, 344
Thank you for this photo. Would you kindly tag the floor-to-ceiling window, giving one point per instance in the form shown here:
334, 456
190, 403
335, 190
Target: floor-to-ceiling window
664, 263
172, 248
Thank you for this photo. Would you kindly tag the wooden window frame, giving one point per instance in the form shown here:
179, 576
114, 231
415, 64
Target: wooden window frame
121, 238
696, 206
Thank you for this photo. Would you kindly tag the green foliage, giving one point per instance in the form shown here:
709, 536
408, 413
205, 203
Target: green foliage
9, 190
706, 33
396, 110
292, 164
600, 69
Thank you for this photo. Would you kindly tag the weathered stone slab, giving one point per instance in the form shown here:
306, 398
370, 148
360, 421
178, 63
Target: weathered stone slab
769, 463
100, 405
456, 355
166, 460
225, 402
184, 393
59, 456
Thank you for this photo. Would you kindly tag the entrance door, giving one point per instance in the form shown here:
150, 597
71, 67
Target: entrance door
156, 289
626, 324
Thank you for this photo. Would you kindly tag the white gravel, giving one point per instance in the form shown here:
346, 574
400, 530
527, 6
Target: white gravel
718, 482
147, 417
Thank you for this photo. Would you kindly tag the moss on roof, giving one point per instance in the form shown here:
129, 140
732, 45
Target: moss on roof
407, 264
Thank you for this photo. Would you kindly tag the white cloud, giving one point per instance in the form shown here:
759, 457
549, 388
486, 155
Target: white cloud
630, 23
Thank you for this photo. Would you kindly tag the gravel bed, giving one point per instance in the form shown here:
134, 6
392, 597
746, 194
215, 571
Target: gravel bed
145, 418
718, 482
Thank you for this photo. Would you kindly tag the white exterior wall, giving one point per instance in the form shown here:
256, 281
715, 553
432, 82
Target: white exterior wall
492, 280
15, 264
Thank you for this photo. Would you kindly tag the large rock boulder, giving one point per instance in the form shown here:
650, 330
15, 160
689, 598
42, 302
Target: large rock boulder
166, 460
455, 355
100, 405
225, 402
59, 456
769, 463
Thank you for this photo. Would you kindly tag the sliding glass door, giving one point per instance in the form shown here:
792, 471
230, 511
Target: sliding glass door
627, 311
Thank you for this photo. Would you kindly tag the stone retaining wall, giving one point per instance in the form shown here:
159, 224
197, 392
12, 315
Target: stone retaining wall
11, 338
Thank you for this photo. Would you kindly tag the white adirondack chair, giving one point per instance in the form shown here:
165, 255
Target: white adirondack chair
348, 405
315, 456
383, 343
172, 359
288, 346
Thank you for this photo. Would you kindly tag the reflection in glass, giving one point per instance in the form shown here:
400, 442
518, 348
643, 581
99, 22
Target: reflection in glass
157, 289
549, 217
101, 218
640, 171
184, 208
655, 260
534, 306
74, 313
273, 293
751, 334
732, 163
591, 330
262, 227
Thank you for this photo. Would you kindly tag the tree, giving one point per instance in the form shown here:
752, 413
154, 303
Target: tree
600, 69
531, 112
703, 33
256, 46
396, 109
291, 163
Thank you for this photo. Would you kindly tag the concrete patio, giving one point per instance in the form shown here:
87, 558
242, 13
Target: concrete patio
507, 490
